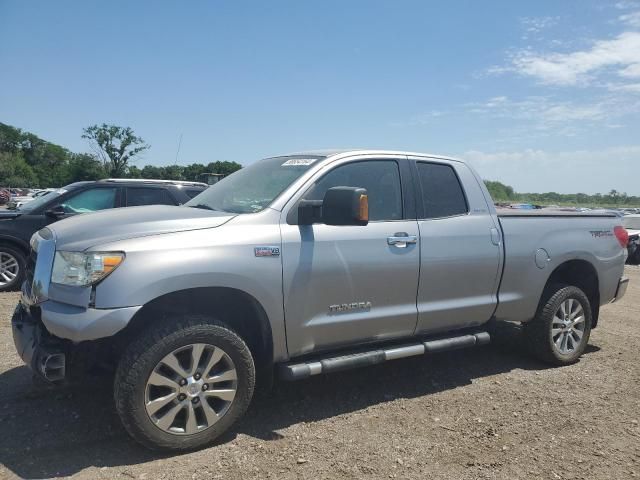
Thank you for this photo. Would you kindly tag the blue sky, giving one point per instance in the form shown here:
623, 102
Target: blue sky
542, 95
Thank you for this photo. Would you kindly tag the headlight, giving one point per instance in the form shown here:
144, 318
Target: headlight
82, 269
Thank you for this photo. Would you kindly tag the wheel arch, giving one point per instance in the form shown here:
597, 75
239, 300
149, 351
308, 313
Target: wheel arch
579, 273
15, 243
236, 308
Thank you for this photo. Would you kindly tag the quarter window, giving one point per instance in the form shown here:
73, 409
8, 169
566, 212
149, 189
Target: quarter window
442, 194
381, 178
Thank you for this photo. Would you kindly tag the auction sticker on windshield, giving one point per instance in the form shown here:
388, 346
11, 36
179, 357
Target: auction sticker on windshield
299, 161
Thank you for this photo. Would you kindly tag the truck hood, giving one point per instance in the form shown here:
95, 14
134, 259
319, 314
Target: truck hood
84, 231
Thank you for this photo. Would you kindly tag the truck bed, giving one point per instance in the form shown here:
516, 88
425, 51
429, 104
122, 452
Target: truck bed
535, 247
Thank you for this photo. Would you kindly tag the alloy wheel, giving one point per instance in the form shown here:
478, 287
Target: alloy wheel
190, 389
9, 268
567, 326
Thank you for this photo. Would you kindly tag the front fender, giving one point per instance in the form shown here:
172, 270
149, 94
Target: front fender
163, 264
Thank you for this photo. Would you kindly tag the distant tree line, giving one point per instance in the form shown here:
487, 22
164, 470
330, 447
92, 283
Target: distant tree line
31, 162
505, 193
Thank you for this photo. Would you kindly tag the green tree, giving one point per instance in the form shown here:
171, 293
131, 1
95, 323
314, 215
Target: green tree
192, 172
499, 191
84, 167
134, 172
172, 172
15, 171
115, 146
48, 161
150, 171
225, 168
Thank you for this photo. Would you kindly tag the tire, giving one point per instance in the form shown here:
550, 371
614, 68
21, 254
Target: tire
15, 263
546, 333
135, 389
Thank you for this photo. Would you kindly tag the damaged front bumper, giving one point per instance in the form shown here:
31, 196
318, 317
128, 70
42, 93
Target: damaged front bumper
43, 353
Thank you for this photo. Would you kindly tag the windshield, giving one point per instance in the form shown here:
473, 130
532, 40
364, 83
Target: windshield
253, 188
41, 200
632, 223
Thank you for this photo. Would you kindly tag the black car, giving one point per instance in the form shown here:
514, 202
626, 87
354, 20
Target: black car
17, 226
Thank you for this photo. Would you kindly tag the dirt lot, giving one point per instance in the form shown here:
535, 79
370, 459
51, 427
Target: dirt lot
487, 413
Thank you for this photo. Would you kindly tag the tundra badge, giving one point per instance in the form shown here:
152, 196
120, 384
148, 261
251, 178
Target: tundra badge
348, 307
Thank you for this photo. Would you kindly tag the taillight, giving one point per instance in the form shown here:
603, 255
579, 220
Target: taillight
622, 235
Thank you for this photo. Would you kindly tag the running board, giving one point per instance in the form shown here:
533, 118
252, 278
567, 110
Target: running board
298, 371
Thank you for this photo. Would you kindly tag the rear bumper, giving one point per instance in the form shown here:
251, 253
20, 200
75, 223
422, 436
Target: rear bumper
623, 283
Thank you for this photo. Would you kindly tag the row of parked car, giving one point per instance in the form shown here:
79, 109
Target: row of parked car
26, 214
15, 197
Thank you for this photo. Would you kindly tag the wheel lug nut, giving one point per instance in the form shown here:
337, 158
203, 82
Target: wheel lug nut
183, 382
205, 387
195, 400
197, 376
182, 396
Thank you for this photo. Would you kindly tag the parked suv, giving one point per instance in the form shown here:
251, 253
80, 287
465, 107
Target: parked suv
17, 226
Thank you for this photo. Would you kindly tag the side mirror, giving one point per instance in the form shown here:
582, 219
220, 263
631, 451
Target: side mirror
55, 212
341, 206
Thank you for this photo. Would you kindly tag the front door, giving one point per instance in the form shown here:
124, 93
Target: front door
352, 284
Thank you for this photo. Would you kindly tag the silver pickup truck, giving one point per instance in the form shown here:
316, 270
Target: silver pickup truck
302, 265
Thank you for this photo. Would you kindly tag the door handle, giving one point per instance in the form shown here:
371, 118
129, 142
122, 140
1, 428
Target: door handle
401, 240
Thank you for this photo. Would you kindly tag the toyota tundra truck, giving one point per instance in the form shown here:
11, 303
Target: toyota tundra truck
302, 265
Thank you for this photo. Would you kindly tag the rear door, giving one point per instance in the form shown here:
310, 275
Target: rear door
460, 248
353, 284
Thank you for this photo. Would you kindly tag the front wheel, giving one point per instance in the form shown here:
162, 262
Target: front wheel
560, 331
182, 386
12, 266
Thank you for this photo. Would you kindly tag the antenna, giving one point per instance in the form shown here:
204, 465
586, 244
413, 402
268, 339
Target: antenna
178, 151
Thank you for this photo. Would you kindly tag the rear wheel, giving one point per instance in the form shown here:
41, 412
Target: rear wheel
12, 266
560, 331
182, 386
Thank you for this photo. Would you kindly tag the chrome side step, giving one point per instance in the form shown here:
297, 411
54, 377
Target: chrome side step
298, 371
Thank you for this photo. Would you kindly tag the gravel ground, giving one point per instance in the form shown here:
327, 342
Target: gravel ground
479, 414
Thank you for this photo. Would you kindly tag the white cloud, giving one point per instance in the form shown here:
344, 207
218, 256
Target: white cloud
631, 19
586, 171
627, 4
581, 67
533, 26
546, 113
629, 87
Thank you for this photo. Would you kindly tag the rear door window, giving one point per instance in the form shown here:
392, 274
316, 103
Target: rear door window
193, 192
138, 196
442, 193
